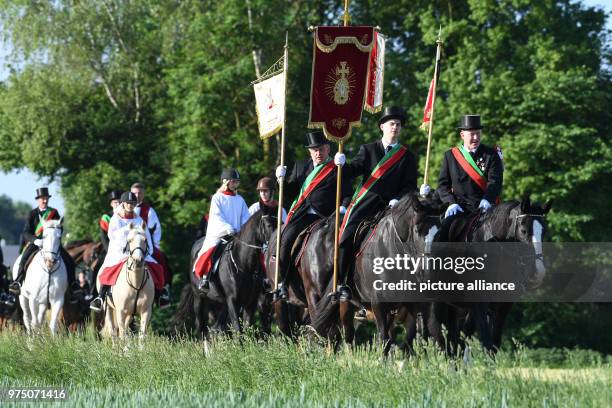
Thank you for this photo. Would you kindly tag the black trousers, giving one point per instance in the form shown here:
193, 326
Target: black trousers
288, 236
32, 249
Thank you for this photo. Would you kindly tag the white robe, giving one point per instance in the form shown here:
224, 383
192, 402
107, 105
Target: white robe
153, 222
226, 212
118, 230
255, 207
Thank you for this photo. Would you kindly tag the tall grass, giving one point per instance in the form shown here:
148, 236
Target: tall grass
278, 372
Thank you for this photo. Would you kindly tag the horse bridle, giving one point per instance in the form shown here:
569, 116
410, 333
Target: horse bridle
55, 255
536, 256
262, 247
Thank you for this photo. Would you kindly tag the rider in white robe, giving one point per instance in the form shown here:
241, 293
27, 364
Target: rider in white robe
228, 212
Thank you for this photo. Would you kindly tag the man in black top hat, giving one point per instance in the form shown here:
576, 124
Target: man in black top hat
32, 241
471, 176
114, 199
388, 171
315, 181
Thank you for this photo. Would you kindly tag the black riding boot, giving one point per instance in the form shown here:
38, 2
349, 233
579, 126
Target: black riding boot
343, 292
15, 286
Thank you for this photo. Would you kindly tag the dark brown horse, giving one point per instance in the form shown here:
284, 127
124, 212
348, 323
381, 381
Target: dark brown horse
512, 221
238, 282
406, 229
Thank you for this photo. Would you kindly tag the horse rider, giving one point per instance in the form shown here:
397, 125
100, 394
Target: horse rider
118, 230
266, 187
228, 213
315, 179
32, 242
148, 214
388, 171
471, 176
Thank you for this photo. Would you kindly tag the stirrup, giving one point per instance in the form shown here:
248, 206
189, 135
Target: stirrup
15, 288
93, 305
344, 293
204, 284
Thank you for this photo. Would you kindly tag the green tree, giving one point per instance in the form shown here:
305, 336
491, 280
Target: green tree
13, 217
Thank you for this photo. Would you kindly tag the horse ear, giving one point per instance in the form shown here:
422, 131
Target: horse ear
546, 207
525, 203
61, 221
131, 224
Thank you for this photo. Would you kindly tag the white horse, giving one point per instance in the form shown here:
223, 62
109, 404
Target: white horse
46, 280
134, 291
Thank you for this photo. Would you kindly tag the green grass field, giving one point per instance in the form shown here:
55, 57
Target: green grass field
276, 372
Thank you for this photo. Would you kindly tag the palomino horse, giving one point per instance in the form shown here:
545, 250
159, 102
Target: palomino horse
46, 281
238, 282
133, 292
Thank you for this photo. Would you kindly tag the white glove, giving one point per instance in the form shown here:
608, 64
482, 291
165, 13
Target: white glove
452, 210
339, 159
484, 204
281, 171
38, 243
342, 209
393, 202
424, 190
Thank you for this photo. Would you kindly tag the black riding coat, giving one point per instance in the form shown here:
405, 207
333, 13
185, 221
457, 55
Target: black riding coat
29, 229
323, 198
455, 186
396, 182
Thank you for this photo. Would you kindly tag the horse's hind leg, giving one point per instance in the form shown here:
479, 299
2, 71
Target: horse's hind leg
347, 312
382, 326
232, 309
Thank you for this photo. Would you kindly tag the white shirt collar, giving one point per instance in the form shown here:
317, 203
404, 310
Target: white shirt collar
392, 145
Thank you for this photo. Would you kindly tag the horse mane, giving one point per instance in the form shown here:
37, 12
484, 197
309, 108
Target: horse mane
410, 199
498, 217
52, 224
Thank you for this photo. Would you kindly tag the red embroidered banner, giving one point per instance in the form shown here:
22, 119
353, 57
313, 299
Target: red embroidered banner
339, 79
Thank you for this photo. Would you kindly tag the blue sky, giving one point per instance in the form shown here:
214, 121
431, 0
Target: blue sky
21, 185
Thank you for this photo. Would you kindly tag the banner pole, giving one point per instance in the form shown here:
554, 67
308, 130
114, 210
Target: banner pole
433, 105
279, 220
339, 186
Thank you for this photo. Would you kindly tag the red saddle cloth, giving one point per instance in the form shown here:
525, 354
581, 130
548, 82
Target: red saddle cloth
203, 264
108, 276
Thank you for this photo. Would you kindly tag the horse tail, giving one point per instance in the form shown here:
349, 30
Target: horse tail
328, 313
184, 310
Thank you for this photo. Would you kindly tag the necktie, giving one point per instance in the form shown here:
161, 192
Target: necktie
388, 149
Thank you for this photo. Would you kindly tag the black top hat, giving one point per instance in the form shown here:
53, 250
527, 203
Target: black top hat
315, 138
392, 112
128, 197
470, 122
114, 195
230, 174
42, 192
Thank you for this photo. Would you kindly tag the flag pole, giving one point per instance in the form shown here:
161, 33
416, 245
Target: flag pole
433, 104
279, 220
339, 185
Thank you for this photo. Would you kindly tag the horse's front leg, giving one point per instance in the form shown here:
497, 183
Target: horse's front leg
232, 309
382, 326
480, 319
56, 308
39, 310
145, 318
122, 322
27, 313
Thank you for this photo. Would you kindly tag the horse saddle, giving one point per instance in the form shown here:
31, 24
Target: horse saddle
299, 245
225, 244
462, 226
367, 225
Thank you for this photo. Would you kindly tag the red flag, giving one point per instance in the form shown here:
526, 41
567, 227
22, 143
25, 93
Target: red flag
428, 106
339, 79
